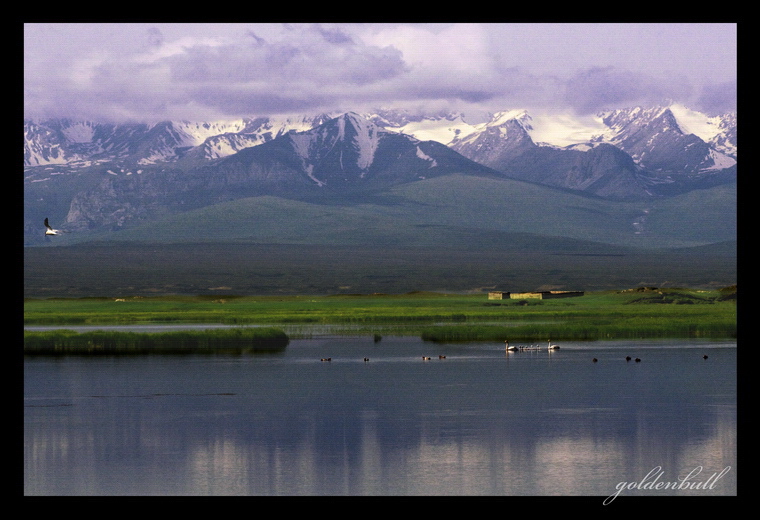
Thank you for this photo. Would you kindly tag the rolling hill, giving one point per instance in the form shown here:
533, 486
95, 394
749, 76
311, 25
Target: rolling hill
431, 212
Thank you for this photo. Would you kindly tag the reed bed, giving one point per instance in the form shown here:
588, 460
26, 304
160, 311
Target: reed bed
210, 341
640, 313
656, 328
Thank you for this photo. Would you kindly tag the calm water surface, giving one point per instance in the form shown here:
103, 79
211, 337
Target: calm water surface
479, 422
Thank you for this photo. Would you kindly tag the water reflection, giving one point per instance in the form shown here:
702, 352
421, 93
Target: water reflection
476, 423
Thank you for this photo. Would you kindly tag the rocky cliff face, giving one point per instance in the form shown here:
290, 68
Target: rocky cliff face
603, 171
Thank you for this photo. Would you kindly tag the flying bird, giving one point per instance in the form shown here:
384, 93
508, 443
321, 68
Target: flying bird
49, 230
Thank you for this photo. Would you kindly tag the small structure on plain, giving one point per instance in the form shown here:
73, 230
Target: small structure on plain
540, 295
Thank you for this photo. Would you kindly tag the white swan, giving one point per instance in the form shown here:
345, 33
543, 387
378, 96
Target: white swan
507, 347
553, 347
49, 230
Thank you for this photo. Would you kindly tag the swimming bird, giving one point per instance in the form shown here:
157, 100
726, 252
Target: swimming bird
49, 230
594, 360
638, 360
553, 347
441, 357
507, 347
704, 357
627, 358
366, 359
425, 358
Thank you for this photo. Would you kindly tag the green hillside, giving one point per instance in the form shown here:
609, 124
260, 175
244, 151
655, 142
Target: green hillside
456, 211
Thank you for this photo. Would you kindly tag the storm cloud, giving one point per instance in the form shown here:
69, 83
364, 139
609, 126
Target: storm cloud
150, 72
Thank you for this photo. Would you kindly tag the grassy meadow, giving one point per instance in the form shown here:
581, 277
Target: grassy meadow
635, 313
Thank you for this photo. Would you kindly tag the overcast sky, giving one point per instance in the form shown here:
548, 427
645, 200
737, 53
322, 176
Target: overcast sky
150, 72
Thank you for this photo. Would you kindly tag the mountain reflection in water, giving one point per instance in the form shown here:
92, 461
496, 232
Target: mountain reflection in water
477, 422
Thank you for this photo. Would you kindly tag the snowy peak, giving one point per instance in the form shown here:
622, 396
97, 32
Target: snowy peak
627, 125
59, 142
84, 143
490, 143
42, 146
443, 127
345, 145
718, 131
676, 118
351, 148
173, 140
346, 153
673, 139
363, 135
78, 132
521, 116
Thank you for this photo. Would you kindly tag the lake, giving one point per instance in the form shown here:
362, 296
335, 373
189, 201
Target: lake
478, 422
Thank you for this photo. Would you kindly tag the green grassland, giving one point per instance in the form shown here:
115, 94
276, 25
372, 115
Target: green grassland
426, 213
636, 313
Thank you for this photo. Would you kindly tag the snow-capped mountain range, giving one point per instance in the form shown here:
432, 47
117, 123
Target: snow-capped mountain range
633, 130
137, 170
84, 143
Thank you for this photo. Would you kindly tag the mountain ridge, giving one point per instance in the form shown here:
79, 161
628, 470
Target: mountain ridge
46, 142
121, 176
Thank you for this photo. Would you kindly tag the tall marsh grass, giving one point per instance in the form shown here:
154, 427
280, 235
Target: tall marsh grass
593, 330
212, 341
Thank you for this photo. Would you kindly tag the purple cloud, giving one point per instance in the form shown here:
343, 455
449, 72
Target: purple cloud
600, 88
201, 71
